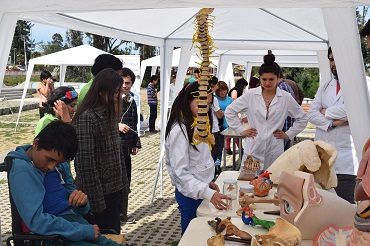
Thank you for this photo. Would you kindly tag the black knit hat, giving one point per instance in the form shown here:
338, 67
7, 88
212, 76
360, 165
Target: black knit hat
106, 61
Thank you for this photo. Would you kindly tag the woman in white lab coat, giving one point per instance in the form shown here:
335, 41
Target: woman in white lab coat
266, 108
189, 163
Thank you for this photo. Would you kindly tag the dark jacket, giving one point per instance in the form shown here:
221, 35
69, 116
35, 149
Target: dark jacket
129, 117
99, 163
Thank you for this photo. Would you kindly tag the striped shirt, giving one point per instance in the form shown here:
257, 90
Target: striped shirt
288, 121
152, 96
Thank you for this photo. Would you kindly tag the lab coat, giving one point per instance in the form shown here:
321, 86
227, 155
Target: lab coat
191, 170
265, 147
339, 137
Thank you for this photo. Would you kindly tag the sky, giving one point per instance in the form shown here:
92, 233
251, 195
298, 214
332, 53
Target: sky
41, 32
44, 33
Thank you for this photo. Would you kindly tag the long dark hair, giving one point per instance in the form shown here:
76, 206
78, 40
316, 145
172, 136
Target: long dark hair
181, 112
239, 87
59, 94
102, 93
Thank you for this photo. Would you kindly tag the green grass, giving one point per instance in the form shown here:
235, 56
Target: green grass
13, 81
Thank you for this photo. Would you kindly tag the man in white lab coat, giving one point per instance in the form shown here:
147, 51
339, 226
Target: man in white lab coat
328, 113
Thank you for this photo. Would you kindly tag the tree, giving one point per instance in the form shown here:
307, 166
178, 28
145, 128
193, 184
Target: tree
146, 51
54, 46
308, 79
74, 38
21, 42
110, 45
361, 13
76, 73
57, 40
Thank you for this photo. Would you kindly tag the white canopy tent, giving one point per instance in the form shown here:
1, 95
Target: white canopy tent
248, 58
194, 61
240, 25
83, 55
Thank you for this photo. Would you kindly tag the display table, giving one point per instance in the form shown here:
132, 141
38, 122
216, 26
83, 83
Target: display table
207, 209
199, 231
228, 133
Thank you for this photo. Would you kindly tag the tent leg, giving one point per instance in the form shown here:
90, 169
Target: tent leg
158, 175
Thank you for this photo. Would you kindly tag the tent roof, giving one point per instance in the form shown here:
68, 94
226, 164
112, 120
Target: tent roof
285, 58
254, 57
247, 27
194, 60
80, 55
103, 5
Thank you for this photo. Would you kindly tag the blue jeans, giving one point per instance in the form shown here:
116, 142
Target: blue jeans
188, 209
287, 144
152, 116
79, 219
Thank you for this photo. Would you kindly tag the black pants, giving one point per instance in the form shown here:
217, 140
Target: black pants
346, 187
217, 148
152, 116
127, 157
109, 218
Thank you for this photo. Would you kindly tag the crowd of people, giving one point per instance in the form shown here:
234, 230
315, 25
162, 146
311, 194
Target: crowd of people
97, 129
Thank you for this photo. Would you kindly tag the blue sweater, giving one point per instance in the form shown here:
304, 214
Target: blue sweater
223, 105
27, 187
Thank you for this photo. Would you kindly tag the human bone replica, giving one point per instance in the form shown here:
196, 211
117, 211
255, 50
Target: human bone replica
282, 233
217, 240
249, 169
316, 157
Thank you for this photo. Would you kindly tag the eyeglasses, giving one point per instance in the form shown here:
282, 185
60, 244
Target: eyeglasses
331, 59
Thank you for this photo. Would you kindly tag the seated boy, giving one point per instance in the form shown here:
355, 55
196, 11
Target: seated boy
42, 189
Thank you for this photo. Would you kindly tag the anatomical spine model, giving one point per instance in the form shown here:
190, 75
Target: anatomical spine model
203, 20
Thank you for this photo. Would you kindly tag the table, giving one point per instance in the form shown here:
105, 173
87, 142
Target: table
206, 209
229, 133
199, 231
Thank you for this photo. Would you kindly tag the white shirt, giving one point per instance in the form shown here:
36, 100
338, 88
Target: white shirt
215, 108
340, 137
191, 171
265, 147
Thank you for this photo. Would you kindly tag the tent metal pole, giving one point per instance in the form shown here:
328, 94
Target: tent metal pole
159, 170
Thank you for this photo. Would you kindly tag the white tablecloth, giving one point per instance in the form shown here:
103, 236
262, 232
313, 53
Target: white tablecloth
199, 231
207, 209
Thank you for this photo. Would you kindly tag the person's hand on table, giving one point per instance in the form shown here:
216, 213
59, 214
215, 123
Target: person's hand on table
214, 186
279, 134
217, 201
251, 133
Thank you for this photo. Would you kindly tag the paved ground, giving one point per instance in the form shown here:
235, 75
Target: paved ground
157, 224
